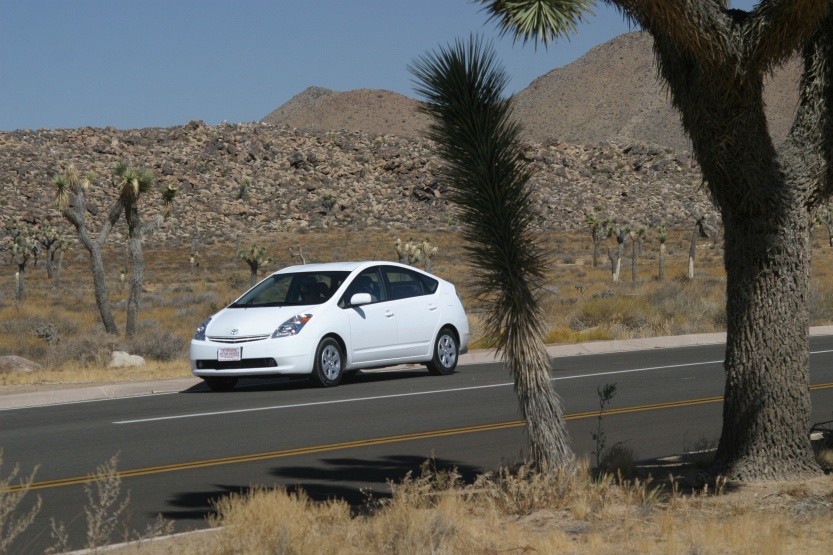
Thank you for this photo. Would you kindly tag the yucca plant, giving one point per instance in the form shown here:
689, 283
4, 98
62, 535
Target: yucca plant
472, 125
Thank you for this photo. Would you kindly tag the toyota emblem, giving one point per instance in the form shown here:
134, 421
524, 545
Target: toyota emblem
234, 331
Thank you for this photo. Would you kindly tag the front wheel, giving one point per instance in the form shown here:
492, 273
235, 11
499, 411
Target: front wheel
445, 354
328, 364
220, 384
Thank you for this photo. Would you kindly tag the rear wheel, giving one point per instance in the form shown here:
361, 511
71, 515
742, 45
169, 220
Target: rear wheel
220, 384
445, 354
328, 364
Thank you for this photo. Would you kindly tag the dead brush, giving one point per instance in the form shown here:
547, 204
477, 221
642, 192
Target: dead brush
106, 512
277, 521
12, 524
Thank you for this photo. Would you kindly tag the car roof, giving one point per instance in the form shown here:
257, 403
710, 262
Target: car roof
340, 266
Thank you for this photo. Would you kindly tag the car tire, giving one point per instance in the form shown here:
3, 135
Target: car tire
220, 384
328, 366
446, 352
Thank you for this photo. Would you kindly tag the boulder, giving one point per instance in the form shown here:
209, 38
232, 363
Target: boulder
121, 359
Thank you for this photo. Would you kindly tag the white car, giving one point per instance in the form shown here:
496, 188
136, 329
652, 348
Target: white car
328, 320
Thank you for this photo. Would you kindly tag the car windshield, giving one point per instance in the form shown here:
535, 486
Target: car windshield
299, 288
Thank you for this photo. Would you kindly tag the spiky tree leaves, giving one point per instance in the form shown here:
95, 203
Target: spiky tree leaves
538, 22
472, 126
713, 61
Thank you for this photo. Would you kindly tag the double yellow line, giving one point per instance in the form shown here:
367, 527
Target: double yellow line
364, 443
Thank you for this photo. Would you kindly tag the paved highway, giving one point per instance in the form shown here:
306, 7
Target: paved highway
179, 451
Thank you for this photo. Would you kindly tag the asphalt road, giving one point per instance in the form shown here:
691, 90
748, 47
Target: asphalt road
177, 452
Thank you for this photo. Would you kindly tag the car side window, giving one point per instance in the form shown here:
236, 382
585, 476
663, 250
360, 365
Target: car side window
369, 281
405, 283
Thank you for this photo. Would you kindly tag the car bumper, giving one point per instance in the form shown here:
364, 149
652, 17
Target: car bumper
261, 358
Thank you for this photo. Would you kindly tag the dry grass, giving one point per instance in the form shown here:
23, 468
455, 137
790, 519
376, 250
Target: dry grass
520, 511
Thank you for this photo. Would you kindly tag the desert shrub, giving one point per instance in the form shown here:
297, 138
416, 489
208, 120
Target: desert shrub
154, 343
619, 460
92, 349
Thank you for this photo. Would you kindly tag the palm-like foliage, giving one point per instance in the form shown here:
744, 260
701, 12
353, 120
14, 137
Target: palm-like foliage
537, 21
489, 183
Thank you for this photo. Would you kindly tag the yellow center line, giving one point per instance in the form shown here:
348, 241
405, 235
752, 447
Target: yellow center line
364, 443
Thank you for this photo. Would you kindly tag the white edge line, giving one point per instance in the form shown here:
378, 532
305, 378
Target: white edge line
357, 399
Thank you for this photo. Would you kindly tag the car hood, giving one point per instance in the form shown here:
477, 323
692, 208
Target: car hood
253, 321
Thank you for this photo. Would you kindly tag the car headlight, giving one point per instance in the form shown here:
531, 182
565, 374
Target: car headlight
199, 335
293, 326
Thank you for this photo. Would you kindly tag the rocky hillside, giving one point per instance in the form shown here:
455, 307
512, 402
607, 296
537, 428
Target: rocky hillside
240, 181
610, 93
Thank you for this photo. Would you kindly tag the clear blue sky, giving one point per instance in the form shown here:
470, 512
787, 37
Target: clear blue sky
158, 63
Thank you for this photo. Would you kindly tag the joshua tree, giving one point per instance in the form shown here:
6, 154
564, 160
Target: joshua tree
413, 252
620, 233
50, 238
72, 185
698, 231
402, 251
255, 257
713, 60
488, 179
599, 231
663, 237
133, 183
22, 244
637, 238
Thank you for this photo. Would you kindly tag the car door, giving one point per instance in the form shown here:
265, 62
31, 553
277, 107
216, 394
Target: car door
373, 326
416, 308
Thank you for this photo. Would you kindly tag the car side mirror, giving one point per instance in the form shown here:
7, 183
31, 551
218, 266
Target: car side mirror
359, 299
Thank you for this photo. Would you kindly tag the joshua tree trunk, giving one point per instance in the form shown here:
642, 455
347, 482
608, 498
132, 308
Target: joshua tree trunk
100, 284
661, 275
19, 282
57, 283
137, 273
767, 348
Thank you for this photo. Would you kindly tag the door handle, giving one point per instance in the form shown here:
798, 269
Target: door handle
388, 314
432, 307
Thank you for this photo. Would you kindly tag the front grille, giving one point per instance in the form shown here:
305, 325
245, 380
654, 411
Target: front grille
237, 364
241, 339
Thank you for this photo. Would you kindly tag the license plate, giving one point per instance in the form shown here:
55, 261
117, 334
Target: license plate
226, 354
